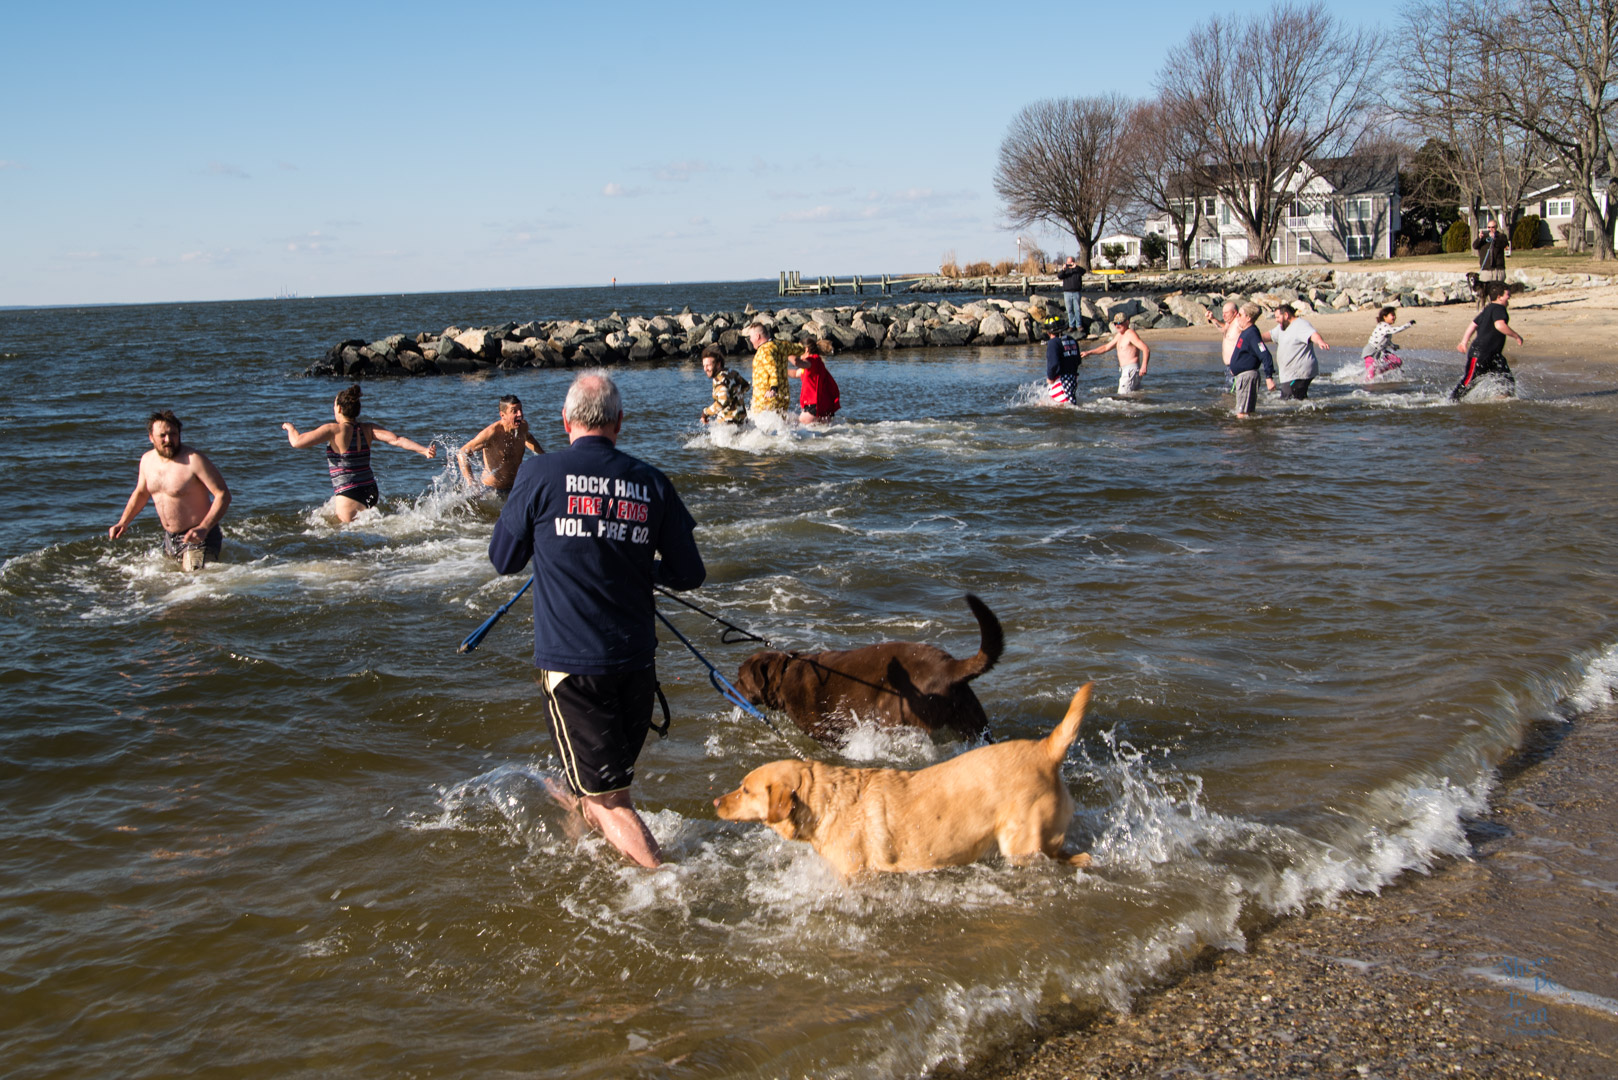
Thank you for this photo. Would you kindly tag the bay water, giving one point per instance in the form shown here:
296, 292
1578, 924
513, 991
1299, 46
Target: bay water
266, 820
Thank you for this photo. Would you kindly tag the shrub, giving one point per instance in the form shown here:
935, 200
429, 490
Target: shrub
977, 269
1113, 253
948, 267
1425, 247
1154, 248
1525, 234
1004, 267
1458, 237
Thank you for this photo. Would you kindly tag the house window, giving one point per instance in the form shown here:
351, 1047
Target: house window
1358, 245
1306, 246
1224, 213
1208, 202
1132, 247
1558, 207
1359, 209
1208, 249
1275, 250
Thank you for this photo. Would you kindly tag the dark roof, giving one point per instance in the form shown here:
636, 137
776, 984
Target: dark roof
1359, 174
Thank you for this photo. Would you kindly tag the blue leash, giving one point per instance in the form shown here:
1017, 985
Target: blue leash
723, 685
475, 638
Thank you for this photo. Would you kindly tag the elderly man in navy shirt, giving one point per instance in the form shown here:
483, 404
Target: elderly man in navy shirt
593, 519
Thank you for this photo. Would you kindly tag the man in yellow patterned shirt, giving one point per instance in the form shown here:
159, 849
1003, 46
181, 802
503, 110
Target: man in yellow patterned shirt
772, 392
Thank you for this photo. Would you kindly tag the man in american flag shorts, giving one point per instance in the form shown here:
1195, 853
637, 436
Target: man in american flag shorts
1062, 366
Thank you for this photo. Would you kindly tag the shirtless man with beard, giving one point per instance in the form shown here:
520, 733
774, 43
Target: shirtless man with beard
190, 494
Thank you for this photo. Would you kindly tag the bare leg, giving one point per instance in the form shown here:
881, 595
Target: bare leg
347, 509
614, 815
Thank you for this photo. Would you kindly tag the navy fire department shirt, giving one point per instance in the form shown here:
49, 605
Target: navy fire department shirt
593, 519
1061, 357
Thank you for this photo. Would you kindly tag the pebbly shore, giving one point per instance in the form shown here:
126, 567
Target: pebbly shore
1414, 982
1152, 303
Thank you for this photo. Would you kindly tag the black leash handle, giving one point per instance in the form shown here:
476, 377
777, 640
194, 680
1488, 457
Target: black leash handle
723, 685
730, 627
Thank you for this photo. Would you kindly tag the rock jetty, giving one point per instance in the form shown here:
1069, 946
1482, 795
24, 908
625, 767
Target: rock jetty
1159, 302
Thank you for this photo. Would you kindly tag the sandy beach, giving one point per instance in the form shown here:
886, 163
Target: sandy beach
1500, 964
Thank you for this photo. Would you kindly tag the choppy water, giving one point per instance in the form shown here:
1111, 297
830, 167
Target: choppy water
267, 820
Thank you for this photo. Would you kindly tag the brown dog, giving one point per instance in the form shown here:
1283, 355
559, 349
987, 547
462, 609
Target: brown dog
895, 684
1009, 795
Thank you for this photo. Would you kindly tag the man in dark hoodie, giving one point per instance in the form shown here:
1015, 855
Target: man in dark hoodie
592, 519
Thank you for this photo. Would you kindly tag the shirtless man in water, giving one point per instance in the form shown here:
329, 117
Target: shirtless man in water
190, 494
1133, 353
502, 444
1231, 328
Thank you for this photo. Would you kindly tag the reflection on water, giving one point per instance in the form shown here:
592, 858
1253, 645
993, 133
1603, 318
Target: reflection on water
266, 818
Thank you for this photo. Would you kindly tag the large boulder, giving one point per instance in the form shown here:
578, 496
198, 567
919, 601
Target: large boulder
950, 333
993, 329
480, 342
459, 365
1190, 310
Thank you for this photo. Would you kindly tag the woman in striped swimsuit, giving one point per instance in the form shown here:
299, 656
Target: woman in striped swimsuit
348, 453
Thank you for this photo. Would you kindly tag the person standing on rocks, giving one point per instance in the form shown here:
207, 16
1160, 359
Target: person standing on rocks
772, 392
1071, 276
599, 529
1062, 360
729, 389
190, 495
1295, 342
502, 444
348, 453
1133, 353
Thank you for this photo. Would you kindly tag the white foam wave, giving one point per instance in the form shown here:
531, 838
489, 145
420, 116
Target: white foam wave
1598, 689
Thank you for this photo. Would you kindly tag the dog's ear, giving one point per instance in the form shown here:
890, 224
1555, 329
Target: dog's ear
780, 797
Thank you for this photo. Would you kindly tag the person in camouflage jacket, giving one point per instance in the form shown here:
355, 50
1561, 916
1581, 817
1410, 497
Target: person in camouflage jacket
729, 389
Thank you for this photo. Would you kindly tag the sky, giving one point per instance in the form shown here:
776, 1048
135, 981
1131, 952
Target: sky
167, 152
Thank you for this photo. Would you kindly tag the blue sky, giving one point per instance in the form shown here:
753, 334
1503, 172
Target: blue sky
220, 151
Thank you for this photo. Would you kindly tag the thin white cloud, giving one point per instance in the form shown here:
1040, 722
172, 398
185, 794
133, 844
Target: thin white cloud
315, 242
208, 258
224, 168
681, 171
826, 214
618, 191
4, 165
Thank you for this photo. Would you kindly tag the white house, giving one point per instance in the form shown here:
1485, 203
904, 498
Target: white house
1130, 242
1338, 209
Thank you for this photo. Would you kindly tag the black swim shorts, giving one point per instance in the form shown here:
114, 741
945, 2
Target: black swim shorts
599, 724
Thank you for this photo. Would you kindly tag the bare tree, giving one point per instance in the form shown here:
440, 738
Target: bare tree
1558, 82
1060, 165
1164, 170
1267, 94
1448, 93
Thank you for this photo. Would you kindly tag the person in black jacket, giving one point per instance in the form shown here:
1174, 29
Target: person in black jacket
1491, 247
1072, 277
593, 519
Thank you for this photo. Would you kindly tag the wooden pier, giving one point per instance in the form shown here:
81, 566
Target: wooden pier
791, 283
